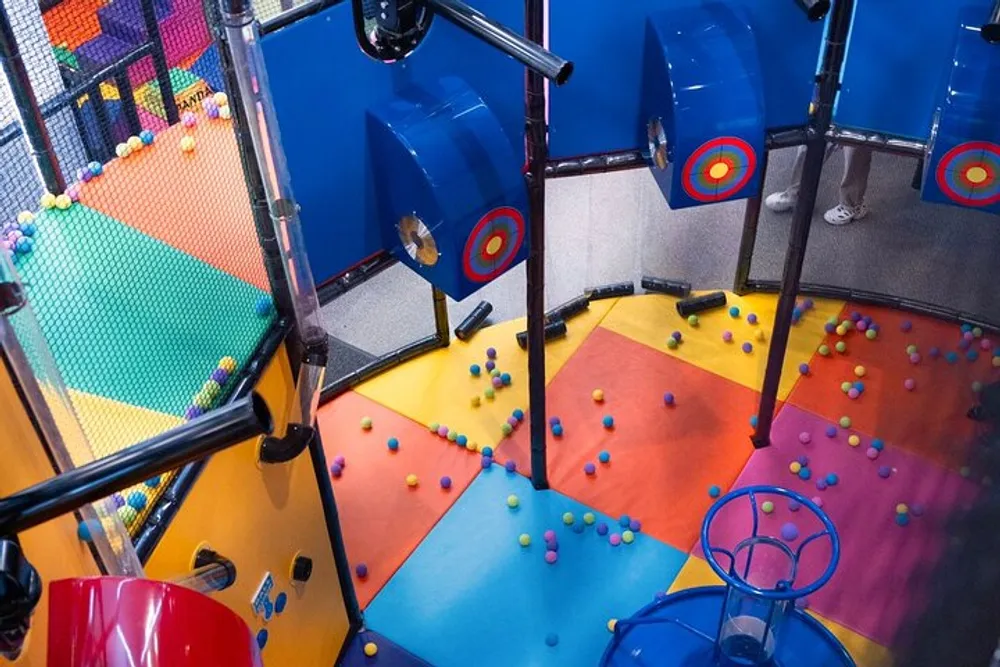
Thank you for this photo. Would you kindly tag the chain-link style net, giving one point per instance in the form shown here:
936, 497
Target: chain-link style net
127, 215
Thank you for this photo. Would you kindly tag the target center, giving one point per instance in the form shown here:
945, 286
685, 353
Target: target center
718, 170
493, 245
976, 175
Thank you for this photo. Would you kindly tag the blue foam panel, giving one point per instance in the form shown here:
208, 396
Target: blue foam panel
470, 571
599, 109
323, 84
208, 67
888, 37
389, 654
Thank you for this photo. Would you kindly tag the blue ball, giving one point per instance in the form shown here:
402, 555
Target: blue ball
668, 398
604, 457
972, 355
902, 519
734, 311
557, 430
29, 229
577, 528
624, 520
951, 357
137, 501
264, 306
831, 431
877, 444
487, 451
96, 168
147, 137
832, 479
796, 313
804, 473
393, 444
24, 245
860, 386
551, 639
519, 414
475, 369
153, 482
83, 532
753, 421
461, 441
966, 327
714, 491
608, 421
505, 379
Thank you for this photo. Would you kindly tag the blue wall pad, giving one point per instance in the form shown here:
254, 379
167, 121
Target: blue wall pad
471, 595
208, 67
888, 37
323, 84
703, 105
599, 109
451, 198
389, 655
963, 167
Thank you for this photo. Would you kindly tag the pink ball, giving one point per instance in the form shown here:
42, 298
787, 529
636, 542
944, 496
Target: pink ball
915, 358
727, 336
551, 557
340, 460
6, 245
805, 438
817, 501
853, 393
497, 382
512, 421
615, 539
549, 535
910, 384
443, 431
73, 192
862, 325
968, 335
188, 119
872, 453
985, 344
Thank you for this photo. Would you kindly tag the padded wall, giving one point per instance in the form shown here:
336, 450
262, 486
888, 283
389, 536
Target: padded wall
322, 84
890, 38
598, 110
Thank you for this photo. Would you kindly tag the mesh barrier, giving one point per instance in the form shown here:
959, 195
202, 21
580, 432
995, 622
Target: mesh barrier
133, 235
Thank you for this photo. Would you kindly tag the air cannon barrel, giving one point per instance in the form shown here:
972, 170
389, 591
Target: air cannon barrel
815, 9
991, 29
501, 37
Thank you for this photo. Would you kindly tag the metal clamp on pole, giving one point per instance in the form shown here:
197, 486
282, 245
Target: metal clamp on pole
991, 29
499, 36
815, 9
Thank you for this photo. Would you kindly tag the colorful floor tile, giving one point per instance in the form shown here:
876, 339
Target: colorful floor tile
650, 319
471, 571
387, 653
880, 577
663, 459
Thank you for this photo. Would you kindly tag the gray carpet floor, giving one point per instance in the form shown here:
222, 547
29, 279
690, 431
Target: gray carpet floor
614, 227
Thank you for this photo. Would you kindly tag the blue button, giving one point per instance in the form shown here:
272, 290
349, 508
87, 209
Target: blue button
262, 639
280, 602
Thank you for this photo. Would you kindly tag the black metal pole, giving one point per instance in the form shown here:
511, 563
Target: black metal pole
124, 86
441, 327
829, 84
537, 154
748, 241
28, 110
213, 432
526, 50
159, 60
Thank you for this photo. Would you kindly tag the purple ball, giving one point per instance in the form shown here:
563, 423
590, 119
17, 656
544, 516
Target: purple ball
486, 462
831, 431
985, 344
915, 358
192, 412
804, 369
118, 499
872, 453
491, 353
553, 421
340, 460
821, 484
589, 468
512, 421
968, 335
884, 472
634, 525
789, 532
490, 365
676, 336
916, 509
855, 316
552, 545
964, 344
752, 318
727, 336
853, 393
602, 528
906, 326
935, 352
829, 327
212, 111
805, 438
862, 325
668, 398
361, 570
336, 470
220, 375
808, 304
497, 382
510, 466
803, 460
446, 482
747, 347
84, 174
794, 505
551, 557
867, 319
443, 431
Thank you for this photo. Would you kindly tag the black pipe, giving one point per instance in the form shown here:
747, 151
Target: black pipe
37, 134
474, 321
103, 119
124, 86
526, 50
611, 291
222, 428
699, 304
553, 331
798, 237
814, 9
441, 316
748, 239
536, 153
568, 310
678, 288
159, 60
991, 29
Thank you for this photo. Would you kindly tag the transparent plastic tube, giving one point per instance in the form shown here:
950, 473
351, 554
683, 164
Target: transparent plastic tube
248, 62
35, 370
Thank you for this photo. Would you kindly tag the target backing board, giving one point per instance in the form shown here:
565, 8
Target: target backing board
493, 245
719, 169
969, 174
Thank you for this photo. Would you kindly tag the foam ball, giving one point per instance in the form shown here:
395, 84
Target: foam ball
794, 506
188, 119
371, 649
505, 379
487, 451
677, 336
361, 570
635, 525
901, 508
608, 421
747, 348
549, 535
915, 358
393, 443
122, 150
510, 466
524, 540
845, 387
767, 507
134, 144
951, 357
366, 423
597, 395
753, 421
860, 371
604, 456
805, 437
840, 347
805, 473
557, 430
794, 467
128, 515
628, 537
589, 518
985, 344
789, 532
917, 509
902, 519
187, 144
714, 491
489, 393
804, 369
589, 468
672, 343
497, 382
824, 350
817, 501
831, 431
971, 355
615, 539
567, 518
964, 343
853, 440
909, 384
884, 472
551, 639
871, 334
845, 422
727, 336
336, 470
602, 528
220, 98
872, 453
443, 431
491, 365
445, 482
878, 444
506, 429
829, 327
862, 325
751, 318
841, 330
853, 393
693, 320
612, 624
668, 398
63, 202
137, 500
412, 480
193, 412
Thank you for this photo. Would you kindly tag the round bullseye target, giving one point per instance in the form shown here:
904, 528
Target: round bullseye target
493, 244
969, 173
718, 169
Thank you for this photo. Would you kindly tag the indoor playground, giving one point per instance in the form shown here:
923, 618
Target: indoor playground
418, 332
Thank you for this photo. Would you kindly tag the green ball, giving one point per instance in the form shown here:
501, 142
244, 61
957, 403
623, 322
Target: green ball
495, 373
203, 400
824, 350
672, 343
845, 387
589, 518
911, 349
433, 427
524, 540
841, 346
128, 515
767, 507
366, 423
628, 537
452, 435
693, 320
847, 324
212, 388
568, 518
977, 332
506, 428
489, 393
832, 320
845, 422
513, 501
965, 471
871, 334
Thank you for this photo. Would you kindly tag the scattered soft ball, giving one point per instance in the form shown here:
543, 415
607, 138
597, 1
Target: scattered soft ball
589, 518
789, 532
753, 421
608, 421
872, 453
672, 343
615, 539
805, 473
513, 501
506, 429
693, 320
411, 480
487, 451
845, 422
510, 466
734, 311
902, 519
475, 370
727, 336
668, 398
902, 508
714, 491
188, 119
871, 334
589, 468
557, 430
567, 518
604, 456
805, 437
803, 369
187, 144
371, 649
909, 384
445, 482
751, 318
747, 347
884, 472
628, 537
524, 540
505, 379
491, 366
878, 444
824, 350
63, 202
602, 528
853, 440
489, 393
853, 393
831, 431
840, 347
794, 506
767, 507
551, 639
491, 353
794, 467
361, 570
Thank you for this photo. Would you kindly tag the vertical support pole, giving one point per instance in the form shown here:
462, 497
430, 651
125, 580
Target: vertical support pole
537, 155
748, 241
159, 60
124, 86
107, 142
441, 326
36, 133
829, 85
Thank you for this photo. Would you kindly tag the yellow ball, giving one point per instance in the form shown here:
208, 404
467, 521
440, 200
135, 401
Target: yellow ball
860, 371
225, 113
411, 480
841, 330
63, 202
568, 518
122, 150
901, 508
611, 624
512, 501
475, 400
853, 440
227, 364
366, 423
187, 144
589, 518
598, 395
524, 540
220, 99
48, 200
24, 217
471, 446
134, 144
794, 467
371, 648
628, 537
